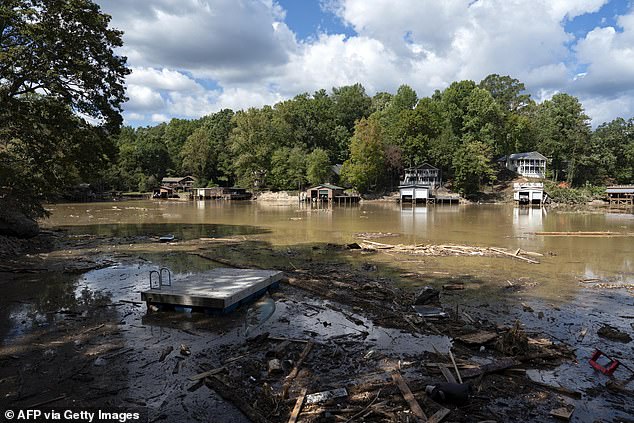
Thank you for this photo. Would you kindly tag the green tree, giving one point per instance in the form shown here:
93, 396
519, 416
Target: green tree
508, 92
455, 100
351, 103
318, 167
483, 121
612, 151
61, 89
563, 131
288, 168
472, 166
257, 134
366, 164
197, 153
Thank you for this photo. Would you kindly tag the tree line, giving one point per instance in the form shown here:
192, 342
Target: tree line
463, 130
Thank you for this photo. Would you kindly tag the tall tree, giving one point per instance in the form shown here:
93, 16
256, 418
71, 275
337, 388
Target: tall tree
365, 166
564, 132
61, 89
318, 168
351, 103
508, 92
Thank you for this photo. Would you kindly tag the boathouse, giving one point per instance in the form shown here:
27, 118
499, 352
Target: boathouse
163, 192
221, 193
331, 194
530, 165
529, 192
179, 183
418, 183
621, 195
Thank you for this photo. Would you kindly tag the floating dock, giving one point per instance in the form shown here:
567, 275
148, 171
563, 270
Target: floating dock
220, 290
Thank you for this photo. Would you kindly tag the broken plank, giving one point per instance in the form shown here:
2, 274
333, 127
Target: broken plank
506, 253
454, 366
227, 393
562, 413
298, 406
206, 374
409, 397
496, 366
295, 371
449, 377
439, 415
477, 338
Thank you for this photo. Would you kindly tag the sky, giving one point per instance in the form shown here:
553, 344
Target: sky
190, 58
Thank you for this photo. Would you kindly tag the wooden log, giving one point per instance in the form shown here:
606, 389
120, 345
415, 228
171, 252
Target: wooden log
206, 374
295, 371
225, 391
409, 397
506, 253
496, 366
298, 406
449, 377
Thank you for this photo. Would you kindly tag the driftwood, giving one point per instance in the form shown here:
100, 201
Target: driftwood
295, 371
581, 233
225, 391
453, 361
298, 406
409, 397
443, 250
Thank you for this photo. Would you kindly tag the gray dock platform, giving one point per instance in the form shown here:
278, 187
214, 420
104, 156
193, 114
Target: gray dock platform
220, 289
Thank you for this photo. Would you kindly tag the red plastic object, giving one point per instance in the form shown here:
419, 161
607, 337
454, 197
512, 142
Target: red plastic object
609, 368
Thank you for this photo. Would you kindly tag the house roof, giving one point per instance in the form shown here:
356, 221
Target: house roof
336, 169
332, 187
423, 166
529, 155
175, 179
620, 189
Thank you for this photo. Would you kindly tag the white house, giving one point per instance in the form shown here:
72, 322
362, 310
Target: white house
530, 165
529, 193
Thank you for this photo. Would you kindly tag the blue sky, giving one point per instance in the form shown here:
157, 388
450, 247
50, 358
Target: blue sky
190, 58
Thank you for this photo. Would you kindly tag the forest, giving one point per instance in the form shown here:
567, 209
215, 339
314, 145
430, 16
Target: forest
462, 130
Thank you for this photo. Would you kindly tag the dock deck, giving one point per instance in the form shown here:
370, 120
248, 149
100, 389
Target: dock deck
220, 289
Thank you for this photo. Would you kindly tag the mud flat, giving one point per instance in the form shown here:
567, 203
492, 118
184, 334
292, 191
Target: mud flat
337, 341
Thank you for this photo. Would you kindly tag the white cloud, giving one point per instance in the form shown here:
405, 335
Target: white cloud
251, 57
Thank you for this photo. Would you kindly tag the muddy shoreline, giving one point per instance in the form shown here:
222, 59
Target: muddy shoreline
89, 342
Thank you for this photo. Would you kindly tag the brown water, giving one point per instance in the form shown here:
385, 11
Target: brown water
552, 287
569, 258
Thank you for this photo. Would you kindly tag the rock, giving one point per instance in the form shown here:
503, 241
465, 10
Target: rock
613, 334
275, 366
427, 295
15, 223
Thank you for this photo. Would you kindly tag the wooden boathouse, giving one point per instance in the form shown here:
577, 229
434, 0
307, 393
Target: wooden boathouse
421, 184
179, 183
529, 192
331, 194
621, 195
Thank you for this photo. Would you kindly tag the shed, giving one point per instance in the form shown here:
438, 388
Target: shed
529, 192
324, 192
163, 192
621, 195
225, 193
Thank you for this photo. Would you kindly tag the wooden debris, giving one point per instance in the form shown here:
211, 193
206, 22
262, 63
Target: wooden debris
39, 404
439, 415
229, 394
206, 374
562, 413
453, 360
298, 406
444, 250
409, 397
453, 287
496, 366
477, 338
587, 233
449, 377
295, 371
559, 389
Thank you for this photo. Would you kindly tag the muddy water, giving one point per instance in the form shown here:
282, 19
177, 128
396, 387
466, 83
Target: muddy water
495, 287
482, 225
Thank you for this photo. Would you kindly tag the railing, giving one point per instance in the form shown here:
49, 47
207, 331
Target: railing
159, 273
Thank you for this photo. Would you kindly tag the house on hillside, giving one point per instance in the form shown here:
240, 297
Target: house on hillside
179, 183
419, 182
530, 165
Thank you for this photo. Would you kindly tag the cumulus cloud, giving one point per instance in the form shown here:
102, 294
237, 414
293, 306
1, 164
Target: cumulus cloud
193, 57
